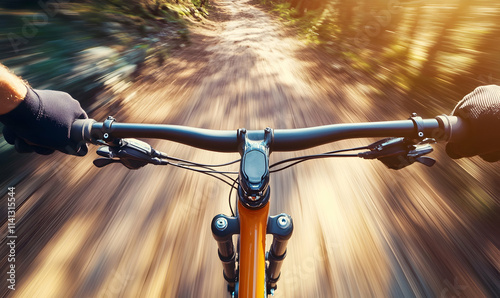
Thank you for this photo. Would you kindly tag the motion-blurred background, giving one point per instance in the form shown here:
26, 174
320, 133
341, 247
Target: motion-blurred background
361, 230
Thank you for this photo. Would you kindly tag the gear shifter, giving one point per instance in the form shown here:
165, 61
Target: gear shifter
132, 153
397, 153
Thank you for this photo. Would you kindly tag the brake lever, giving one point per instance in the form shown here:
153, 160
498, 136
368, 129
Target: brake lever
132, 153
397, 153
102, 162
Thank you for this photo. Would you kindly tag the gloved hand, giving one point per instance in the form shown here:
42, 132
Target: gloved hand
480, 109
42, 123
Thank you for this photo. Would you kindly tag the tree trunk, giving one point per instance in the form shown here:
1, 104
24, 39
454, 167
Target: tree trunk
429, 67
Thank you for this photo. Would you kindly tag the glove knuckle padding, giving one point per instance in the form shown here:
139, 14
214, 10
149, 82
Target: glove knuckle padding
57, 114
480, 109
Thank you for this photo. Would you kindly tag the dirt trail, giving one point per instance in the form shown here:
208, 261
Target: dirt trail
111, 232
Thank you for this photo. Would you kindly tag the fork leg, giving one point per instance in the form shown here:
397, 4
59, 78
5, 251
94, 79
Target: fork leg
281, 227
223, 229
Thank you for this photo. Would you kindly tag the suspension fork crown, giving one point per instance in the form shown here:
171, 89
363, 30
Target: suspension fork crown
254, 148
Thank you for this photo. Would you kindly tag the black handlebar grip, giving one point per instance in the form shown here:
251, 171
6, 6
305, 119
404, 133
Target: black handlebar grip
80, 130
454, 128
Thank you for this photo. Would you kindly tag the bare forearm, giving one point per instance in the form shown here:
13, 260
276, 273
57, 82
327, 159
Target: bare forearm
12, 90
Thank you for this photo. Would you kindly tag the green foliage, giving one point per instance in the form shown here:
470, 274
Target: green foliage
308, 23
143, 15
284, 11
432, 46
199, 3
184, 34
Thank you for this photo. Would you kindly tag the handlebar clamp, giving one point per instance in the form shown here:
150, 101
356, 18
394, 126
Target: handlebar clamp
106, 127
419, 125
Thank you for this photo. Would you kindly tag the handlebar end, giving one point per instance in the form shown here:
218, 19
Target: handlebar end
454, 128
80, 130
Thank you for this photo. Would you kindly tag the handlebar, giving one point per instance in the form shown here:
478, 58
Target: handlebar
441, 128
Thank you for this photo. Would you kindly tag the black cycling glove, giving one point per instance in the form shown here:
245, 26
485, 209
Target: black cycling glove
42, 123
480, 109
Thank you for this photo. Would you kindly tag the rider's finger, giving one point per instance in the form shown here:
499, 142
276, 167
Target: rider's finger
455, 150
43, 151
491, 157
9, 135
22, 147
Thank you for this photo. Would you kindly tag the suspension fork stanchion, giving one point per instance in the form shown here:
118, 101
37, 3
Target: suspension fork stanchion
223, 229
281, 227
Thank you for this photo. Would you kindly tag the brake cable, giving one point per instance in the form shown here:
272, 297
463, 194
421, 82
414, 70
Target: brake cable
230, 193
315, 156
395, 153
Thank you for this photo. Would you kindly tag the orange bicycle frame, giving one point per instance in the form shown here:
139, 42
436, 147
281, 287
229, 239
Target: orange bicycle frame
252, 262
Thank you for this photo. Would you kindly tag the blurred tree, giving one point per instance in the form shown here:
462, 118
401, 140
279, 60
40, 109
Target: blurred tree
428, 69
345, 9
486, 68
301, 6
413, 26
